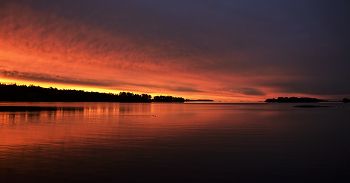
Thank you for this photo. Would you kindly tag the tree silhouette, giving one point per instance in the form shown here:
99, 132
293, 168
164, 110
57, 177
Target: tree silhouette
33, 93
294, 100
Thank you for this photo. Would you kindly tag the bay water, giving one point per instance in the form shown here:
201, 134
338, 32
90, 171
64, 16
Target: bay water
174, 142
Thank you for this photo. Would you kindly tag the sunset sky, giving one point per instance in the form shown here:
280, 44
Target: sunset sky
234, 51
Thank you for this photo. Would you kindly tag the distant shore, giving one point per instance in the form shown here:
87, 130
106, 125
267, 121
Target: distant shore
301, 100
31, 93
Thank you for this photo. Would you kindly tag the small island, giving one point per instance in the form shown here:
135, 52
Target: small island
294, 100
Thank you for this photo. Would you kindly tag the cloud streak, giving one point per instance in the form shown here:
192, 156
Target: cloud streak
49, 78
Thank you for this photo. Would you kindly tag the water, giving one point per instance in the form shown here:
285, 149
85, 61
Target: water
162, 142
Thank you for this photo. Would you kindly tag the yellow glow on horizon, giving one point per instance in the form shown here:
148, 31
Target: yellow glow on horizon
104, 90
75, 87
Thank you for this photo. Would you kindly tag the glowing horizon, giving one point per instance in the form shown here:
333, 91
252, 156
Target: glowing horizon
101, 90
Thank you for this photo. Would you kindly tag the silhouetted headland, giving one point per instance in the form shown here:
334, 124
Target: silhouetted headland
345, 100
295, 100
33, 93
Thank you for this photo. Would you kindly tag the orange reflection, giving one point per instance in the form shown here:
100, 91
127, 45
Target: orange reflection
122, 121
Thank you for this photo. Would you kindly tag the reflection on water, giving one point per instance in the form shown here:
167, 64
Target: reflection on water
132, 142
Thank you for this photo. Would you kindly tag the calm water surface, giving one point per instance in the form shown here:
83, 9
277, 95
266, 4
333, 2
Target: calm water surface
159, 142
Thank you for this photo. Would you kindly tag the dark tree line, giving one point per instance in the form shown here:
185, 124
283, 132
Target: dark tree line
33, 93
168, 99
294, 100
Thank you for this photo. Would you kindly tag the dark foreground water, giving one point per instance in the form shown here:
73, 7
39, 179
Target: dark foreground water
121, 142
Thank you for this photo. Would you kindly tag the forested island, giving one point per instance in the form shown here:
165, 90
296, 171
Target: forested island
33, 93
301, 100
295, 100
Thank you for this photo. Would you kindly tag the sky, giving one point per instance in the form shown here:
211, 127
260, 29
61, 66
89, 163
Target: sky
225, 50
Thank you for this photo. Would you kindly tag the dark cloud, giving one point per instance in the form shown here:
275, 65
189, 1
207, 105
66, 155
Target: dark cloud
245, 91
88, 82
54, 79
185, 89
250, 91
167, 87
313, 86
